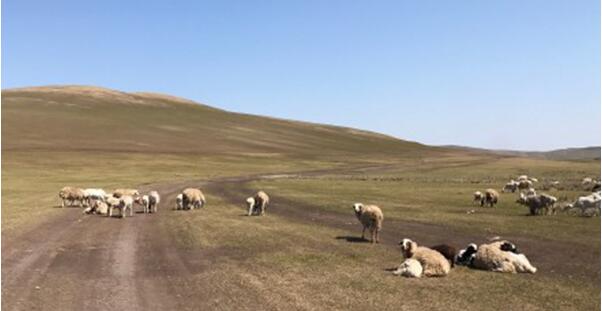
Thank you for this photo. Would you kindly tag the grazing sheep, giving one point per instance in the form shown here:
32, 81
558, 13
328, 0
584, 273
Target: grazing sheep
511, 186
490, 198
153, 201
258, 203
192, 198
410, 268
537, 203
371, 218
433, 263
144, 201
70, 195
448, 251
466, 256
525, 184
477, 197
123, 203
491, 257
118, 193
587, 204
179, 201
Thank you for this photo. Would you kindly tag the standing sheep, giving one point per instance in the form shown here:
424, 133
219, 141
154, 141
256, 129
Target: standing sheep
433, 263
258, 203
491, 198
118, 193
179, 201
153, 201
123, 204
371, 217
492, 257
511, 186
477, 197
95, 194
70, 195
193, 198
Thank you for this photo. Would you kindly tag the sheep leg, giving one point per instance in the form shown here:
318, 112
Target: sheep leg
111, 211
377, 235
131, 208
262, 209
63, 204
363, 233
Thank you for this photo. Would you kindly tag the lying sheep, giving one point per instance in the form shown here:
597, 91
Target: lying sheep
491, 257
192, 198
123, 203
477, 197
371, 217
179, 201
410, 268
258, 203
433, 263
97, 207
70, 195
118, 193
448, 251
490, 198
466, 256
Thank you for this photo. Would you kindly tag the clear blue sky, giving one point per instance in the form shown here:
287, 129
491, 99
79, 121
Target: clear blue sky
512, 74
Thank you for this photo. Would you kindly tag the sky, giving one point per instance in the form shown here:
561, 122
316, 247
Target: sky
512, 74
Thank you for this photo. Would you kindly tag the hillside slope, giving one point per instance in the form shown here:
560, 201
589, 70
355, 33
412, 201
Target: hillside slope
91, 118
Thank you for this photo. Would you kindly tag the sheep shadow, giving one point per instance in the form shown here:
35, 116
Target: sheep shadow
352, 239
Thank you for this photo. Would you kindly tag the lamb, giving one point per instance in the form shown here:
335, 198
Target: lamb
193, 198
511, 186
70, 195
477, 197
409, 268
144, 201
491, 197
118, 193
123, 203
448, 251
179, 201
466, 256
371, 218
433, 263
258, 203
491, 257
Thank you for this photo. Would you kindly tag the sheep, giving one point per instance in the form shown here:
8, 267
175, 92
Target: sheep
153, 201
192, 198
144, 201
477, 197
118, 193
525, 184
258, 203
179, 201
466, 256
537, 203
95, 194
531, 191
409, 268
123, 203
522, 177
371, 217
491, 257
491, 197
533, 179
511, 186
72, 195
97, 207
448, 251
587, 203
433, 263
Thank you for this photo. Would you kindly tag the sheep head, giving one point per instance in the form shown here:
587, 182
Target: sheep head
508, 247
407, 248
251, 201
358, 208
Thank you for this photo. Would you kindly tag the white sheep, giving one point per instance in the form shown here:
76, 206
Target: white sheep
491, 197
511, 186
433, 263
477, 197
409, 268
70, 195
118, 193
258, 202
179, 201
371, 217
123, 203
587, 204
193, 198
153, 201
493, 257
95, 194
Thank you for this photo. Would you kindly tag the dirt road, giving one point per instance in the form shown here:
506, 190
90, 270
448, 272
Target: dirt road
81, 262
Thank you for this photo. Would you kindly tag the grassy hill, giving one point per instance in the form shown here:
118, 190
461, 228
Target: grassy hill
91, 118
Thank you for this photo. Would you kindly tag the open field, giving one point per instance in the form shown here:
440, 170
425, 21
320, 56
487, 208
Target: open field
305, 254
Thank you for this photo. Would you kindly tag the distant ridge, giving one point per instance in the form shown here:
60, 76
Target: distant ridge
566, 154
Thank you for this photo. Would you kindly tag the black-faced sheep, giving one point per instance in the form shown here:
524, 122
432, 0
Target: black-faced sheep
193, 198
466, 256
258, 203
371, 217
433, 263
491, 197
491, 257
448, 251
70, 195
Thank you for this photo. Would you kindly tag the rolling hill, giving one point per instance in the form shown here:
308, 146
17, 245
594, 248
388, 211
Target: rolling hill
92, 118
